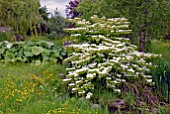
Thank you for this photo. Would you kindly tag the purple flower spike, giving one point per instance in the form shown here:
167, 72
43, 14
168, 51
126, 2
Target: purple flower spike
71, 9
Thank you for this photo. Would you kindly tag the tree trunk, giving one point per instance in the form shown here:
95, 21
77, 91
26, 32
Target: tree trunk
142, 33
142, 39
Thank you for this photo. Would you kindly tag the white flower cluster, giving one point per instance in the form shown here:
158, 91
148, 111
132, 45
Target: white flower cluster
100, 26
114, 59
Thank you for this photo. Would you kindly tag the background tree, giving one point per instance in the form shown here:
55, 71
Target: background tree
42, 25
44, 13
149, 19
19, 15
56, 24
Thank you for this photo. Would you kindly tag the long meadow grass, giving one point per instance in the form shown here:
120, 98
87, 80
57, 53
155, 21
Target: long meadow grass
30, 89
161, 74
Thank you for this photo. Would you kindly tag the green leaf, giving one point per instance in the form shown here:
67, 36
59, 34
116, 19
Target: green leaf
28, 53
37, 50
9, 55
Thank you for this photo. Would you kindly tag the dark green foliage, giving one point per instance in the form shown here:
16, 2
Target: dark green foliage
161, 76
44, 13
56, 24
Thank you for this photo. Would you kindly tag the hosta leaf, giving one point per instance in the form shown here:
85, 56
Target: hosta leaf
60, 57
30, 43
45, 58
2, 51
28, 53
17, 60
56, 54
63, 53
37, 50
37, 62
9, 55
45, 44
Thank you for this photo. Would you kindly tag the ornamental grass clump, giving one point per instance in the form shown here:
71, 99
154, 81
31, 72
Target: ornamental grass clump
104, 57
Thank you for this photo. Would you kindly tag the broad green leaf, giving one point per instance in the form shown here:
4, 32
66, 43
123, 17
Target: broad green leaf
37, 50
9, 55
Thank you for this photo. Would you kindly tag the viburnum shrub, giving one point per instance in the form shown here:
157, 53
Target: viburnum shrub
104, 57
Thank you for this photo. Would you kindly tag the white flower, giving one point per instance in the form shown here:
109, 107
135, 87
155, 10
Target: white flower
91, 76
123, 30
82, 92
9, 45
110, 85
123, 80
89, 95
131, 70
141, 61
118, 75
108, 78
71, 84
117, 90
116, 82
76, 35
147, 76
74, 89
92, 65
124, 66
77, 82
149, 80
67, 80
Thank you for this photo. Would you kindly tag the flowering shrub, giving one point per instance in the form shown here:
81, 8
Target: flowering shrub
99, 26
103, 59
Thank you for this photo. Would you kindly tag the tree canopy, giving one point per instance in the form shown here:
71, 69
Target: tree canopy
149, 19
19, 15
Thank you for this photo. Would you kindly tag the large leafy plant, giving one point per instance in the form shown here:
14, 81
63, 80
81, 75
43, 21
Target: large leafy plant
104, 57
30, 52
